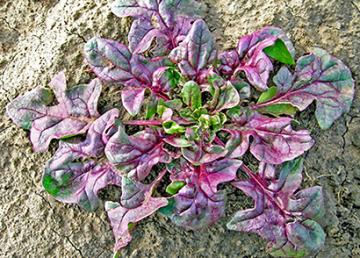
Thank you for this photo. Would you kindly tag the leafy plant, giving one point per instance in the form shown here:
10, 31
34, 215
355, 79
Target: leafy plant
197, 113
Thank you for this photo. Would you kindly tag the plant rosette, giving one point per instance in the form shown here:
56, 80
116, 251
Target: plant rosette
197, 112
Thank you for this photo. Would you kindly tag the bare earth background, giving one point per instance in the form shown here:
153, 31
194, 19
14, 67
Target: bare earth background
39, 38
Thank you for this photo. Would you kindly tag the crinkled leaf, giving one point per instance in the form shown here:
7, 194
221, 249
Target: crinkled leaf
286, 221
196, 51
71, 181
318, 76
109, 60
274, 140
199, 203
167, 21
229, 61
74, 113
135, 155
132, 193
97, 136
169, 10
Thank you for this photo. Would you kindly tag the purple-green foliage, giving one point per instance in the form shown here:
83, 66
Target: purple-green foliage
198, 112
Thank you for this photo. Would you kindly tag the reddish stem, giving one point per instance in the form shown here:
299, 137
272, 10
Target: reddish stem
143, 122
256, 180
218, 141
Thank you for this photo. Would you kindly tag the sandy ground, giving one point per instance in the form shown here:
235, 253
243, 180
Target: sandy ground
38, 38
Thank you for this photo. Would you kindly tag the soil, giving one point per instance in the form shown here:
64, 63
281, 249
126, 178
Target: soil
40, 38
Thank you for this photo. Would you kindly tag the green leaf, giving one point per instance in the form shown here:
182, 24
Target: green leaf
234, 113
279, 109
279, 52
160, 109
175, 187
171, 127
173, 76
191, 95
173, 104
151, 108
228, 98
131, 225
267, 95
168, 210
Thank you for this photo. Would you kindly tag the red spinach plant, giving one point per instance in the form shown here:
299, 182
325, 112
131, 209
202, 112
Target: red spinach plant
198, 112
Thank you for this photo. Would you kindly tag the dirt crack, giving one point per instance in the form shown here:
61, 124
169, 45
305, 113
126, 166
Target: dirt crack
69, 240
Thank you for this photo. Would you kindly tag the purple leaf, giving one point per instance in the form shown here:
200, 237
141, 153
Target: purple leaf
196, 51
229, 61
274, 140
164, 79
132, 99
247, 42
135, 8
141, 35
200, 153
250, 58
257, 65
74, 113
97, 137
167, 21
79, 182
286, 220
318, 76
132, 193
110, 60
199, 203
171, 11
228, 97
135, 155
121, 217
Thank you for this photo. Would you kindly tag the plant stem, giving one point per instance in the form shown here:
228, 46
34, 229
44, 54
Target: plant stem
270, 197
143, 122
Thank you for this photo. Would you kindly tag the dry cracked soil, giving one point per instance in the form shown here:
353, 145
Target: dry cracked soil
39, 38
